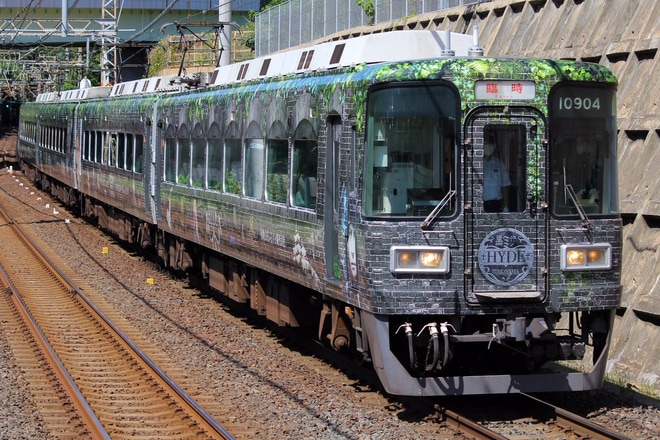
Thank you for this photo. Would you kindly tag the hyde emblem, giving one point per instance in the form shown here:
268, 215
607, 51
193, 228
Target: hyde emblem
505, 257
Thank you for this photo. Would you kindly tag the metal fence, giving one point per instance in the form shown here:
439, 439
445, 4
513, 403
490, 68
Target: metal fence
301, 21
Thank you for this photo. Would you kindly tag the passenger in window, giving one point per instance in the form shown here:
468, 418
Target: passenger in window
496, 181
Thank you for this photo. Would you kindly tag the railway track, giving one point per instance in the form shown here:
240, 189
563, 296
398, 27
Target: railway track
95, 381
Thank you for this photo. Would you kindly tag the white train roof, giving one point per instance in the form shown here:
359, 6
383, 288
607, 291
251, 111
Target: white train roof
373, 48
75, 95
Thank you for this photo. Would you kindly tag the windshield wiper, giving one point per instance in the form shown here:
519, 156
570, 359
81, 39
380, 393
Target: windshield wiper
578, 206
429, 218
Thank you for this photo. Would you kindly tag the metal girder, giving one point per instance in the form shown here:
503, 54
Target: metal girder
109, 42
47, 27
68, 30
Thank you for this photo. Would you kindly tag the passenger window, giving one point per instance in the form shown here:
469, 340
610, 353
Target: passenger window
254, 168
139, 152
304, 185
183, 157
130, 151
170, 155
121, 151
98, 146
214, 173
234, 171
278, 168
198, 158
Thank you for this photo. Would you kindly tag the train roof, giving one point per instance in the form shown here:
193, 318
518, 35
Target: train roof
405, 45
374, 48
75, 95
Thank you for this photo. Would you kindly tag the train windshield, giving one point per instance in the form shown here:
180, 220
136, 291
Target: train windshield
583, 154
410, 155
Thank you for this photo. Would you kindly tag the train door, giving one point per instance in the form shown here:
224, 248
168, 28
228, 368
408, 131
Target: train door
331, 199
153, 164
79, 143
505, 222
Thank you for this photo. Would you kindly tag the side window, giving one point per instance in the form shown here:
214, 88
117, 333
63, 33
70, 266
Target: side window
170, 155
198, 158
130, 151
278, 166
86, 145
234, 171
254, 162
304, 167
110, 149
121, 151
215, 158
183, 157
98, 146
277, 179
254, 168
305, 161
233, 160
139, 153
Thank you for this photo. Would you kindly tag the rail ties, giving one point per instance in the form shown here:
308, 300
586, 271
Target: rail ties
101, 370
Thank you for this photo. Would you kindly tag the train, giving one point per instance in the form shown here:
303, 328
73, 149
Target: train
348, 188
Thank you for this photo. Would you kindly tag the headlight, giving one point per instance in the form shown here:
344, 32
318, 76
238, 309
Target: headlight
419, 259
596, 256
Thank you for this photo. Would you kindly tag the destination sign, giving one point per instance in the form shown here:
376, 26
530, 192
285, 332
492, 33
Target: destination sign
501, 89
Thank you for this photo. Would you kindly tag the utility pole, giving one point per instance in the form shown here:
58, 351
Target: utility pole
224, 40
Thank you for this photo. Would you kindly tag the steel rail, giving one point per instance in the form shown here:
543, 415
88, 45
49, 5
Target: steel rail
467, 426
578, 424
93, 424
210, 422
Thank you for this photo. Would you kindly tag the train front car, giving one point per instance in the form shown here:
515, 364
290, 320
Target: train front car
490, 234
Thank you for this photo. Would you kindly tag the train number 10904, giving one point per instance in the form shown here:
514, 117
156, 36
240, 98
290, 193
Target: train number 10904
577, 103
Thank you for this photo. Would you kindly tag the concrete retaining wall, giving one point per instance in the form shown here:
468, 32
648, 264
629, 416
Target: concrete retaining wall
623, 35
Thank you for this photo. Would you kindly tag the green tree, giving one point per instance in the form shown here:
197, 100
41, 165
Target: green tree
369, 9
69, 75
158, 58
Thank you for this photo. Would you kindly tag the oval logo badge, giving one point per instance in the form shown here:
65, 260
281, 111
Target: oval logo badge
505, 257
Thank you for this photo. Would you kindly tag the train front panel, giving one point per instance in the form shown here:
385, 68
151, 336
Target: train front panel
490, 240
